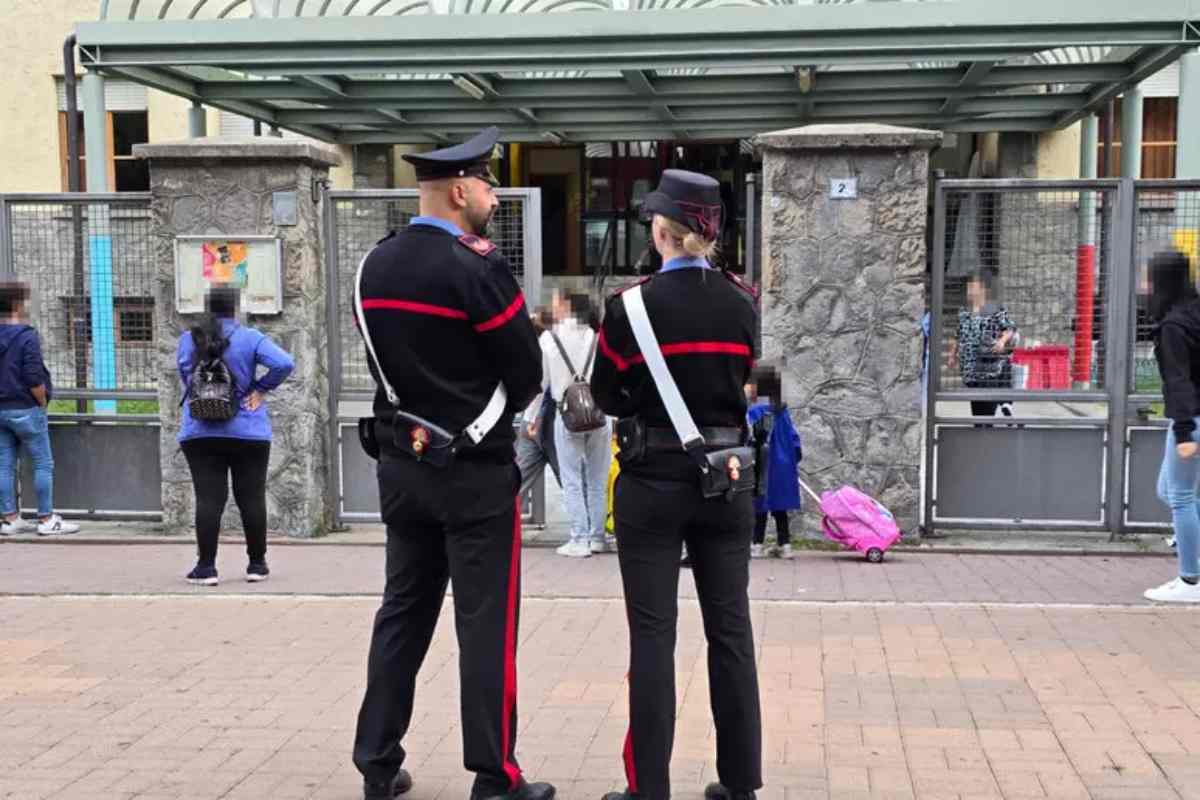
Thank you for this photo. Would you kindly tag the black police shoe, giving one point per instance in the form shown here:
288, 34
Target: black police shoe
621, 796
526, 791
383, 791
715, 791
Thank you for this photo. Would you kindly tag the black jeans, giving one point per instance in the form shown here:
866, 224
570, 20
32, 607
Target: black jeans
781, 527
212, 461
461, 525
653, 519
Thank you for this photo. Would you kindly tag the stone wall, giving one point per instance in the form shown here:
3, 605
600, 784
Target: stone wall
843, 298
223, 188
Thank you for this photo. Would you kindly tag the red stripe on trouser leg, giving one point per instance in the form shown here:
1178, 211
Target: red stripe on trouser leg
630, 767
510, 653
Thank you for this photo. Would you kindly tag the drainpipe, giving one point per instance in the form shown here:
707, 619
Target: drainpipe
73, 185
70, 85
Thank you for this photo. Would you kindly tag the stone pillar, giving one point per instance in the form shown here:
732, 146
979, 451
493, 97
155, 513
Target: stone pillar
223, 187
843, 296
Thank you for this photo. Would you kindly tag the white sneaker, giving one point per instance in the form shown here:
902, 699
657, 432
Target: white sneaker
757, 551
598, 546
785, 551
1174, 591
575, 550
13, 527
54, 526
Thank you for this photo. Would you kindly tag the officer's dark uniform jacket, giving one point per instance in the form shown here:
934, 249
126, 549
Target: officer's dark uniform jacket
448, 321
705, 323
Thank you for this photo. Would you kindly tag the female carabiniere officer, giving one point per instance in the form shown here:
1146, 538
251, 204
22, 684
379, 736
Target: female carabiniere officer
704, 321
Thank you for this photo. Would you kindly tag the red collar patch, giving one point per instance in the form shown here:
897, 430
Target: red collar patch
738, 282
478, 244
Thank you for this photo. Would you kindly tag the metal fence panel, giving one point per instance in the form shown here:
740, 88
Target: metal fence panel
1144, 453
89, 260
362, 218
105, 469
1020, 475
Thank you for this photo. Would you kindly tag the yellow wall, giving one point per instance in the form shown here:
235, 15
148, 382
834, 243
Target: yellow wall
31, 39
1058, 153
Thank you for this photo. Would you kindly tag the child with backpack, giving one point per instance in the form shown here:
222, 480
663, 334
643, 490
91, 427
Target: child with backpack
778, 454
226, 430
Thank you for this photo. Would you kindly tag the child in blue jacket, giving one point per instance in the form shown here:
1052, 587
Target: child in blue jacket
778, 455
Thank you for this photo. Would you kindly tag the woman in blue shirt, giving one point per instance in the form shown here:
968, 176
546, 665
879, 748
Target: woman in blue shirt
241, 446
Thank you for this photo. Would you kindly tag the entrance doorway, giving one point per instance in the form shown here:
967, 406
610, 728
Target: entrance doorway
554, 220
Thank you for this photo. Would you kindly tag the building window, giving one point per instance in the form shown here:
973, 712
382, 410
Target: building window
133, 319
128, 123
125, 129
1159, 133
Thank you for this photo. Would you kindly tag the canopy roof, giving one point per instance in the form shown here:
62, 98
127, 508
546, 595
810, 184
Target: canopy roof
432, 71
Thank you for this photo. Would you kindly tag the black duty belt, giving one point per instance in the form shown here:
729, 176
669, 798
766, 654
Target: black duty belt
665, 439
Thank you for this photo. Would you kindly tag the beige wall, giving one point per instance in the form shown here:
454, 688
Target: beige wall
1058, 153
31, 38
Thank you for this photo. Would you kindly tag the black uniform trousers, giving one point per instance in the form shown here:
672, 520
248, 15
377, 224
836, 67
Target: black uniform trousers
462, 525
653, 519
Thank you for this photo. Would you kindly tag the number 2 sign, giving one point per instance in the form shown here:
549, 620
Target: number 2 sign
843, 188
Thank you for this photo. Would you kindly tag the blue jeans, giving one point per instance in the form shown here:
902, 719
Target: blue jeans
28, 427
583, 462
1178, 481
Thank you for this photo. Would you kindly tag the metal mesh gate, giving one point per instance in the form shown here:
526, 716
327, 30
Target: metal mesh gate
89, 262
1044, 403
355, 221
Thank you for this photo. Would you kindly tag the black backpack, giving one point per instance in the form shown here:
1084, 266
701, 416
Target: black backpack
212, 394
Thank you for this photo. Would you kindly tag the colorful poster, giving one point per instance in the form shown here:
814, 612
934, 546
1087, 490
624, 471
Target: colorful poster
225, 263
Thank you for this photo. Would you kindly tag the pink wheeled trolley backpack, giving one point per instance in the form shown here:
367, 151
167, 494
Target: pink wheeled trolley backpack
856, 521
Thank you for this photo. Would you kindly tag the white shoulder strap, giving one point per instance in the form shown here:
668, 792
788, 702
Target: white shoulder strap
482, 424
677, 410
366, 334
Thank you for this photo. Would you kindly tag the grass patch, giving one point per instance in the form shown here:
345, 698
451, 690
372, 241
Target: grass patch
130, 407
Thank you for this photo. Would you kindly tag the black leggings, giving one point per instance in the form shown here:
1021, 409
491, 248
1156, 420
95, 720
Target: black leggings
211, 461
781, 527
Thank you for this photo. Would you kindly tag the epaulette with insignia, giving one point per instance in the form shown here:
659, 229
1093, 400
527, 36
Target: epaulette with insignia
477, 244
627, 287
738, 282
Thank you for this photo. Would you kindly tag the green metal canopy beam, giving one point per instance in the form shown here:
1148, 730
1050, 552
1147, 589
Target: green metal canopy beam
939, 82
556, 118
183, 88
778, 35
489, 60
1141, 67
973, 74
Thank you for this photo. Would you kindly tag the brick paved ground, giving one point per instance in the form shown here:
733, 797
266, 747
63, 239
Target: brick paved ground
237, 696
309, 569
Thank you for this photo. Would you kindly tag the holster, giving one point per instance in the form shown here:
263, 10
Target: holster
423, 440
414, 436
631, 440
725, 472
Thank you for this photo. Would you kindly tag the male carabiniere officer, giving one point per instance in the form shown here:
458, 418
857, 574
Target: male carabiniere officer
454, 353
